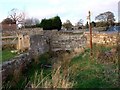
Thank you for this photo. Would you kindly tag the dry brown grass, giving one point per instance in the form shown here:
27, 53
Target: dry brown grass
59, 76
58, 80
108, 56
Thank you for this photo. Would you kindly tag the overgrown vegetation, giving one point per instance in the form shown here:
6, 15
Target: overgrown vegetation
81, 71
90, 72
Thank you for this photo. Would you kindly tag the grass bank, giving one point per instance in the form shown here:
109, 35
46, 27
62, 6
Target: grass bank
83, 71
90, 72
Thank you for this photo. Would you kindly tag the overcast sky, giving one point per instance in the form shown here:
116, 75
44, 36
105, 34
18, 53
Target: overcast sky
74, 10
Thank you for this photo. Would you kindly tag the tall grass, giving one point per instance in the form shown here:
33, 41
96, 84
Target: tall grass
53, 80
58, 78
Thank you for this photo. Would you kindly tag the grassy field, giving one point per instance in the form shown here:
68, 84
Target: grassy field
81, 71
7, 55
91, 74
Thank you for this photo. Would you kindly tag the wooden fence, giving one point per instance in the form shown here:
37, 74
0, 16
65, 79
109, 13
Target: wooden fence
21, 41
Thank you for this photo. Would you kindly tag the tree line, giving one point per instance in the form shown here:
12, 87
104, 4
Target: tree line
15, 16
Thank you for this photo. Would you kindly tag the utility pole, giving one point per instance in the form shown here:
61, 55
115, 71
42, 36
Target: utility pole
90, 29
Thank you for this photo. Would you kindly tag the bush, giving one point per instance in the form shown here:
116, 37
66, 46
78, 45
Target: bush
52, 23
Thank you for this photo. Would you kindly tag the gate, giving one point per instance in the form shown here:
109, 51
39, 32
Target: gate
21, 41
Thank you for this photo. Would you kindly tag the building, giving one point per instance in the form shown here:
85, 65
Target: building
8, 26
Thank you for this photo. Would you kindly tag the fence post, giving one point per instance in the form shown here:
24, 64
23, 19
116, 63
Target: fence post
90, 29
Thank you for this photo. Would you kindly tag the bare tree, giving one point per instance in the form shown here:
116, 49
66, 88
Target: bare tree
17, 15
28, 22
31, 21
67, 25
79, 24
106, 17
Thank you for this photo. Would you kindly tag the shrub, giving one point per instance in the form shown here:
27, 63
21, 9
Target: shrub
52, 23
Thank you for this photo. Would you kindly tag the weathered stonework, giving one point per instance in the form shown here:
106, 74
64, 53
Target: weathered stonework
109, 39
55, 41
29, 31
38, 45
67, 41
18, 63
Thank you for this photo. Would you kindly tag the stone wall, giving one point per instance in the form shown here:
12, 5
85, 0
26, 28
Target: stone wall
104, 38
38, 44
67, 41
55, 41
15, 66
29, 31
